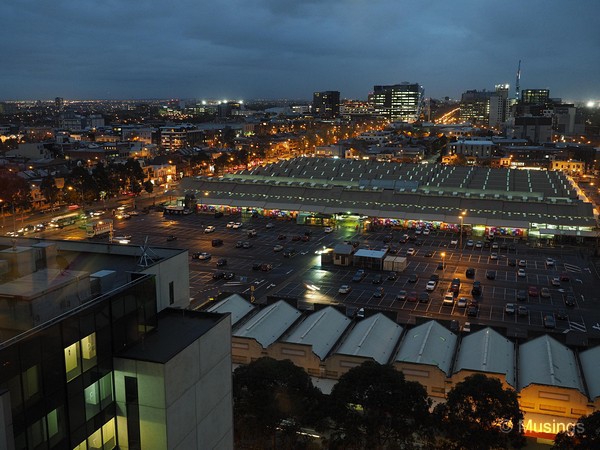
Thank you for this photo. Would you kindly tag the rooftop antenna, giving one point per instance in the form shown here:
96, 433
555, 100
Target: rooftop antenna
146, 259
518, 83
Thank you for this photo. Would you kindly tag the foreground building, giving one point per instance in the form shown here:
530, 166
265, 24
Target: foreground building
97, 352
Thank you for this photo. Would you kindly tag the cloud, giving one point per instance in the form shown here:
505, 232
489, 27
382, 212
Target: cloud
285, 48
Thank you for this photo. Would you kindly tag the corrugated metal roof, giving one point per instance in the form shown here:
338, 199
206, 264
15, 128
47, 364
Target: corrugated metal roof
236, 305
429, 343
487, 351
321, 330
590, 364
546, 361
269, 323
374, 337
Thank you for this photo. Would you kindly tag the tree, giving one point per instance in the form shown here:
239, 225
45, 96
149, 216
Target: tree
374, 407
585, 435
15, 191
480, 414
49, 190
269, 395
149, 187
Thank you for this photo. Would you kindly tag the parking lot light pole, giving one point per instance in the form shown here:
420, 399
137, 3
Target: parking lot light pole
443, 260
462, 218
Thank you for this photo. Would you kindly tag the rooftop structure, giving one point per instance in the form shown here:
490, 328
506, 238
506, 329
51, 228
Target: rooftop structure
269, 323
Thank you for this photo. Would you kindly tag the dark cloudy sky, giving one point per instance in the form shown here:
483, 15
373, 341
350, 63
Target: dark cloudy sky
243, 49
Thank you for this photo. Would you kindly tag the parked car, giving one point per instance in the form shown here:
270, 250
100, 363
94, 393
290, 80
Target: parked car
509, 308
522, 263
472, 311
569, 300
549, 262
328, 229
265, 267
470, 273
281, 237
413, 278
401, 296
344, 289
470, 243
221, 262
278, 248
377, 279
392, 276
448, 299
229, 276
209, 229
412, 296
230, 224
431, 285
202, 256
378, 292
217, 242
218, 275
532, 291
476, 289
423, 297
522, 311
494, 256
289, 253
490, 274
462, 302
564, 276
521, 295
545, 292
411, 251
521, 273
246, 244
561, 314
358, 275
454, 326
549, 321
237, 225
555, 281
171, 238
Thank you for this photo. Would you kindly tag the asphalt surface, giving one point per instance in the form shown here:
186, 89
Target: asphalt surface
305, 278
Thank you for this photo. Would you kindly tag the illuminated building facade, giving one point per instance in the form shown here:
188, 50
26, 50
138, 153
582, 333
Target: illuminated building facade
399, 102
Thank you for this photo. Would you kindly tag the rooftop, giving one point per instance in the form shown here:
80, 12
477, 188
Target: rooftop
268, 324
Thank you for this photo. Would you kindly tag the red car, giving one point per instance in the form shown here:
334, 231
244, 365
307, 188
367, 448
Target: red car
533, 291
412, 296
564, 276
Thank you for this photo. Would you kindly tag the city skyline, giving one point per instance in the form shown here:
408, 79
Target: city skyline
283, 49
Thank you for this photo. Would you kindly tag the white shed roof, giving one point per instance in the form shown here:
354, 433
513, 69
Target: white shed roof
590, 364
487, 351
374, 337
379, 254
269, 323
235, 304
546, 361
429, 343
321, 330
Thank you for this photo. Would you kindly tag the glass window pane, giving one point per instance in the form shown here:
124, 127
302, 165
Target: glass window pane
72, 366
92, 401
88, 351
108, 435
95, 440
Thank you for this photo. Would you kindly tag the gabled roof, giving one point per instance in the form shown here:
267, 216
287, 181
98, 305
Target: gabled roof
269, 323
429, 343
321, 330
236, 305
487, 351
374, 337
590, 364
546, 361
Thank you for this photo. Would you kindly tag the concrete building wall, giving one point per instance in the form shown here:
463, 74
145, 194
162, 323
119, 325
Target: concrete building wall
554, 401
246, 350
432, 378
7, 440
337, 365
299, 354
174, 270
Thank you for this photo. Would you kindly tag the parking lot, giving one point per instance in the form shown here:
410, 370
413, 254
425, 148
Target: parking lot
302, 276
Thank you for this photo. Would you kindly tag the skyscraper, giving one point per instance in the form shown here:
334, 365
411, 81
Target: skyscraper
498, 105
535, 96
326, 104
399, 102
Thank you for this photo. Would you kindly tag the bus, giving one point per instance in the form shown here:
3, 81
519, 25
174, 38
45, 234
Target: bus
63, 221
98, 227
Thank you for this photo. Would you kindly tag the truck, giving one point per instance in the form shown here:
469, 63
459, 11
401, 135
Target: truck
98, 227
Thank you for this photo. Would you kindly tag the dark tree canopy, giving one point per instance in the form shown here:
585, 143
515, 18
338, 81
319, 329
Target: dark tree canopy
270, 394
480, 414
373, 406
585, 435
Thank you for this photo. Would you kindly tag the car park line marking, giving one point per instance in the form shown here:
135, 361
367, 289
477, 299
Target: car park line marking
572, 268
596, 327
577, 326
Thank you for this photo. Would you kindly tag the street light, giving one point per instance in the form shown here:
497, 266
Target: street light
443, 261
3, 204
462, 218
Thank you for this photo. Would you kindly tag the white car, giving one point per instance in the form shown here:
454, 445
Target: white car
454, 241
448, 299
431, 284
269, 225
410, 251
278, 248
469, 243
521, 273
230, 224
555, 281
237, 225
426, 231
462, 302
209, 229
328, 229
550, 262
344, 289
494, 256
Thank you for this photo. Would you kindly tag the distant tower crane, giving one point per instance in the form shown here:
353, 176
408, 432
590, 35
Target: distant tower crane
518, 83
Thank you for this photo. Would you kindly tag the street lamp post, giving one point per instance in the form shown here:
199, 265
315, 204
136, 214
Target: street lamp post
443, 260
462, 218
3, 204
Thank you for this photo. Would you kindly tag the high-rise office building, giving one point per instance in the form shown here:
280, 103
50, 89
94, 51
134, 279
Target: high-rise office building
498, 106
326, 104
475, 106
399, 102
535, 96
